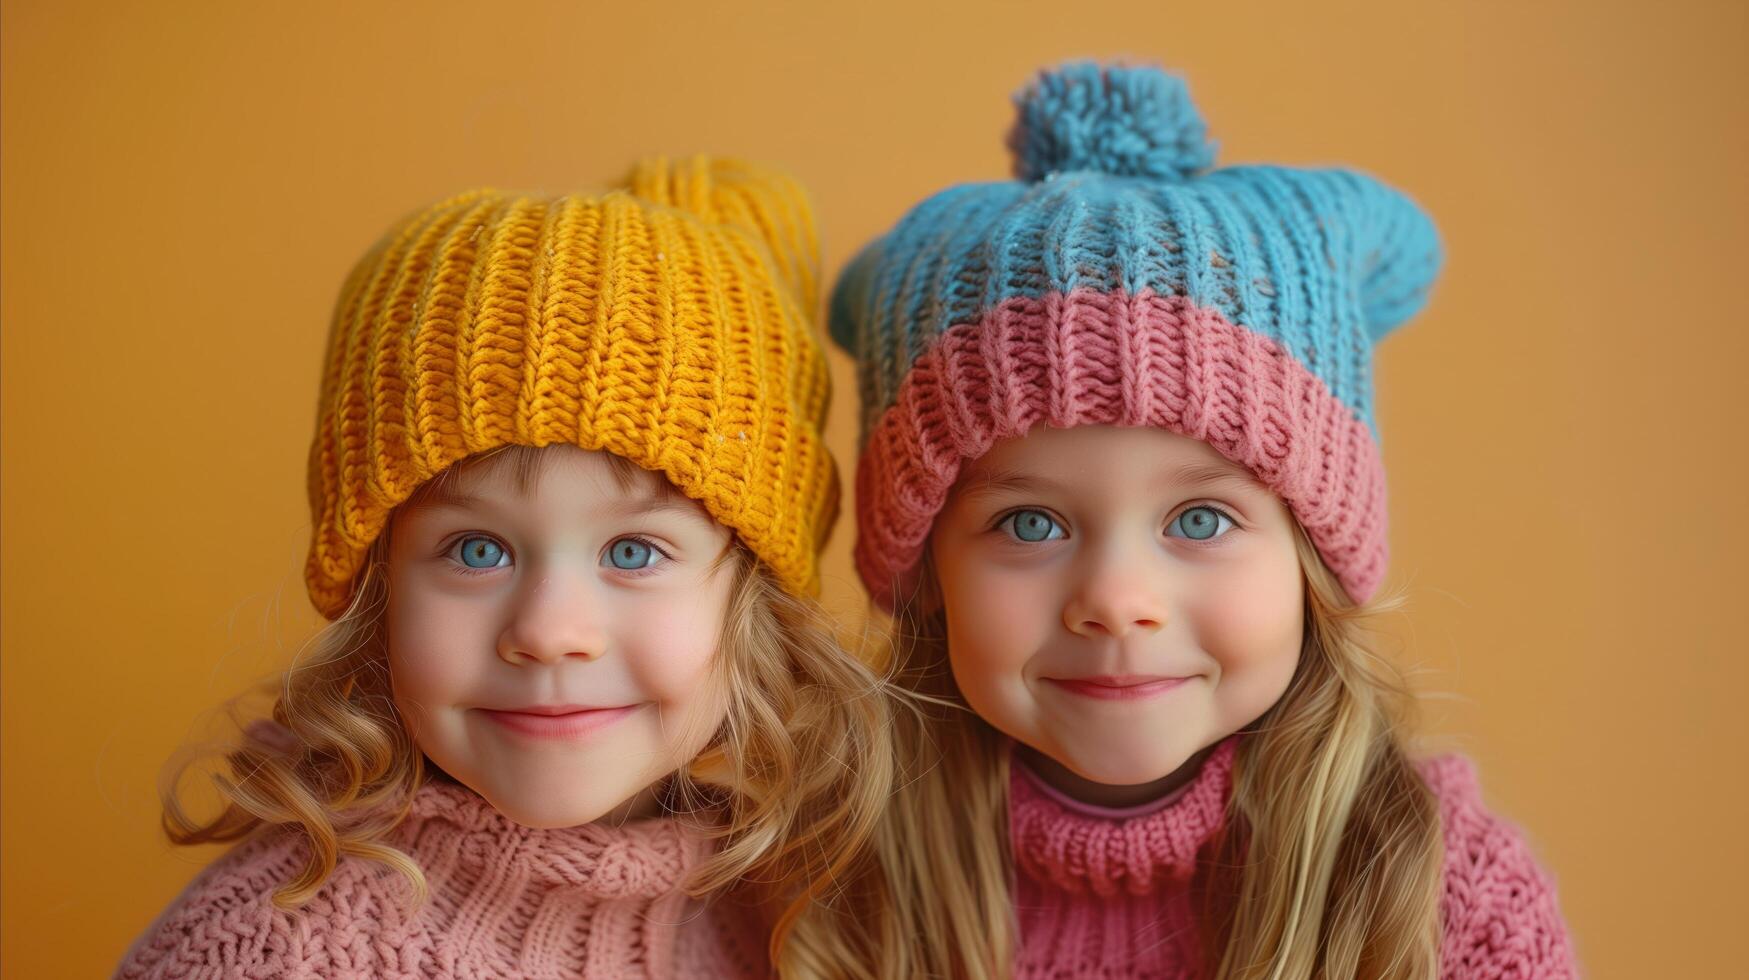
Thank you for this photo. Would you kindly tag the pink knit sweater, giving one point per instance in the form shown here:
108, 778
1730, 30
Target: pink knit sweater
505, 901
1105, 894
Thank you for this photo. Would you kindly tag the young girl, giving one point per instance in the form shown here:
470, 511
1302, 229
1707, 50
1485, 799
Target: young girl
577, 713
1121, 488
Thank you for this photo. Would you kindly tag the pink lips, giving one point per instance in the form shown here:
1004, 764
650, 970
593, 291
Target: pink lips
1117, 688
558, 721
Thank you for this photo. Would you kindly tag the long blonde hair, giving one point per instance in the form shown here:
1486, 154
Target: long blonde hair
1329, 865
791, 786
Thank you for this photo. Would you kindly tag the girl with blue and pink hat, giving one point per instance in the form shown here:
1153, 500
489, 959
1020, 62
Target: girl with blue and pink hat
1120, 487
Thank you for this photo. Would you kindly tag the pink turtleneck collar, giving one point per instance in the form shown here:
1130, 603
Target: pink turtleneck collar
461, 839
1079, 847
1103, 893
594, 901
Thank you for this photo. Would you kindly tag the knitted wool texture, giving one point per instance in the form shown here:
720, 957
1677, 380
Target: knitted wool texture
1110, 897
597, 902
1121, 282
668, 322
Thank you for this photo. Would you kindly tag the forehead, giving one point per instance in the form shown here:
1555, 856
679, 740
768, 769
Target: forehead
1103, 457
527, 471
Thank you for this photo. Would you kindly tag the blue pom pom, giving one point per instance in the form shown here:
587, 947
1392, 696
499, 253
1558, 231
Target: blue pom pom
1133, 122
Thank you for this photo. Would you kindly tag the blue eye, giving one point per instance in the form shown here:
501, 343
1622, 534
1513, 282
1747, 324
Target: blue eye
631, 554
1032, 526
1200, 523
481, 552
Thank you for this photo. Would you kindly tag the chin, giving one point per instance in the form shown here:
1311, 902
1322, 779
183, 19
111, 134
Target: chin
1132, 768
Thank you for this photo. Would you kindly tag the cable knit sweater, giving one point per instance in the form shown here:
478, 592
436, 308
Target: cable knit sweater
505, 901
1105, 893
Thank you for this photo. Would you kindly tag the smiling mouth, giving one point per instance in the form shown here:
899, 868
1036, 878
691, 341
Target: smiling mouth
1117, 688
562, 721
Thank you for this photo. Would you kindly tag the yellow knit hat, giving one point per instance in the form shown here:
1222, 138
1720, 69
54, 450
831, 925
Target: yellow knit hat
670, 322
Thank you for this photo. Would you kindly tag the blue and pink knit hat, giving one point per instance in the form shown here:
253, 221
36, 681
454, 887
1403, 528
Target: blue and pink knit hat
1121, 281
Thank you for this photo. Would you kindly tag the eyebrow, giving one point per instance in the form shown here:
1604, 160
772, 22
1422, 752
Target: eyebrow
1200, 475
1215, 475
660, 501
1004, 481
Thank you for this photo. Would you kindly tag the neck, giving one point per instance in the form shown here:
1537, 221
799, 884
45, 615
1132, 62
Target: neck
1117, 797
648, 803
651, 801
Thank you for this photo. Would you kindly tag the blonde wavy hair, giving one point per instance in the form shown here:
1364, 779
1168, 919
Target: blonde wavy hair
791, 786
1330, 864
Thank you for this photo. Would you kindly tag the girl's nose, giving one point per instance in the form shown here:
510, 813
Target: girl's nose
1116, 596
554, 617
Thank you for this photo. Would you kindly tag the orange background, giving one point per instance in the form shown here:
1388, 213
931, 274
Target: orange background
185, 184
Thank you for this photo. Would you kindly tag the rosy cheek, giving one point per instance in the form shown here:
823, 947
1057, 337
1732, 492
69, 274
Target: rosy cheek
1250, 617
670, 666
670, 647
435, 651
997, 620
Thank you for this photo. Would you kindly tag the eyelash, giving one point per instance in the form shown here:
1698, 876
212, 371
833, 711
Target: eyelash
1009, 515
649, 569
463, 568
1234, 521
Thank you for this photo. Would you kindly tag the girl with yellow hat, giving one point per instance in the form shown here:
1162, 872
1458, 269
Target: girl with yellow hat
576, 711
